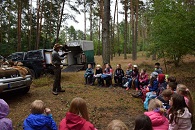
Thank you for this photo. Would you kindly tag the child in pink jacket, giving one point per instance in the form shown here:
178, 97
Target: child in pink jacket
156, 115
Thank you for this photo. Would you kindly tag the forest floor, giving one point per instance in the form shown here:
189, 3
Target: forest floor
104, 104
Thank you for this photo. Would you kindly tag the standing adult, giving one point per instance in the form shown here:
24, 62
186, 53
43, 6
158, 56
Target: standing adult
56, 61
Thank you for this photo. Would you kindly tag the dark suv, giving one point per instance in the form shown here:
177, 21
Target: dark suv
39, 62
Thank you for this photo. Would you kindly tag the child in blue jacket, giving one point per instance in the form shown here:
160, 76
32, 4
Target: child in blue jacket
40, 118
89, 74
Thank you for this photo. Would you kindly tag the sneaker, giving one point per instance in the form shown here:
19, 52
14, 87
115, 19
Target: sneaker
127, 88
136, 89
55, 93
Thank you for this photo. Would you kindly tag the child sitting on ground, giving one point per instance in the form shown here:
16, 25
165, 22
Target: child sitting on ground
77, 118
118, 75
165, 97
40, 118
152, 88
107, 75
88, 74
116, 125
5, 123
156, 115
97, 75
143, 122
143, 78
184, 91
157, 68
134, 80
180, 117
127, 76
172, 86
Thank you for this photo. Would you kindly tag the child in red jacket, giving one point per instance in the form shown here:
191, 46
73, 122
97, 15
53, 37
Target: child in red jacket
77, 118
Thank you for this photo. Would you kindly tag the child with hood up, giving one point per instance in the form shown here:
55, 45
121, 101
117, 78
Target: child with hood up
5, 123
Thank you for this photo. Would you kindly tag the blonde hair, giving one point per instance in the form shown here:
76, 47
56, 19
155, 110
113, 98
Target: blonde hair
37, 107
78, 106
155, 104
116, 125
184, 91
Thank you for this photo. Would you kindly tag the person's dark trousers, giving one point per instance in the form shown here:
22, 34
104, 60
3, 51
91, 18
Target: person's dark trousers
118, 80
89, 79
108, 81
57, 79
99, 79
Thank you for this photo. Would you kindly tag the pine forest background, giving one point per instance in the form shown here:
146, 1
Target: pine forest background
162, 28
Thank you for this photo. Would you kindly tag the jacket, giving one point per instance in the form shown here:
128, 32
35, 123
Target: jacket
165, 103
98, 71
154, 87
89, 71
56, 59
143, 77
75, 122
128, 73
5, 123
184, 121
39, 122
119, 72
159, 121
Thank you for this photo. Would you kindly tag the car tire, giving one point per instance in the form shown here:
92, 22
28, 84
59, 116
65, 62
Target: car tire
26, 89
32, 73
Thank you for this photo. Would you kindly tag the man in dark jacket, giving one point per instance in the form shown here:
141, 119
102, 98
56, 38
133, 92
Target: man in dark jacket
56, 61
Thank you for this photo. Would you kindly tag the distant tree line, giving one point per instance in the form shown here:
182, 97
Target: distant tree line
165, 29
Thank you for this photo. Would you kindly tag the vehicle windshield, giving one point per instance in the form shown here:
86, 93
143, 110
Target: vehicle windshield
34, 55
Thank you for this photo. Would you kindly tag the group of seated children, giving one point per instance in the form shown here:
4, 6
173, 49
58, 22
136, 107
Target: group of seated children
100, 75
172, 111
169, 105
131, 78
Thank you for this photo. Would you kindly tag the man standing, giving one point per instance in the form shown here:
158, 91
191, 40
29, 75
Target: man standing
56, 61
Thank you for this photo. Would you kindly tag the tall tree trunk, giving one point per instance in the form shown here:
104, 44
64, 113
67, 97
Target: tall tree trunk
136, 28
50, 26
60, 21
38, 28
113, 36
118, 33
105, 32
84, 19
91, 21
30, 26
133, 31
99, 36
9, 18
19, 25
125, 30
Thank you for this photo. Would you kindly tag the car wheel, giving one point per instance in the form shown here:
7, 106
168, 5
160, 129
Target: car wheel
26, 89
32, 73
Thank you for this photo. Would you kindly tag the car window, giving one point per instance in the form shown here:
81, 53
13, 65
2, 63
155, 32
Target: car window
34, 55
17, 56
